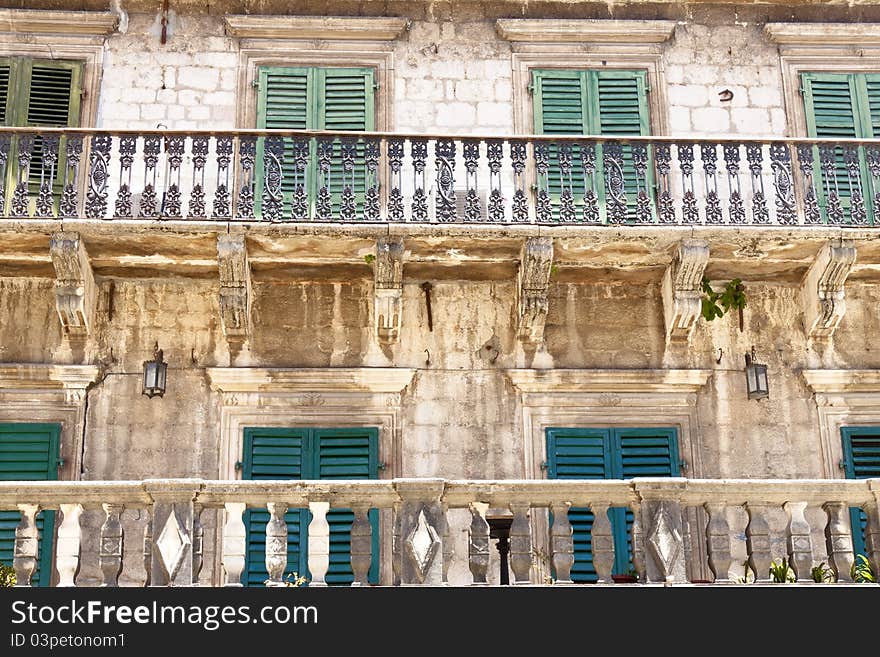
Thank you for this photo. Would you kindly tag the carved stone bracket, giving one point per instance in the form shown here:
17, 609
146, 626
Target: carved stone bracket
534, 282
682, 289
388, 295
235, 287
75, 292
822, 289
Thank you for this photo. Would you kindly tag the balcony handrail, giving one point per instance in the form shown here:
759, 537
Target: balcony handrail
265, 132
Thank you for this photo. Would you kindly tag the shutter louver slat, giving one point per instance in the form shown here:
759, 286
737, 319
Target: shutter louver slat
862, 452
29, 452
5, 70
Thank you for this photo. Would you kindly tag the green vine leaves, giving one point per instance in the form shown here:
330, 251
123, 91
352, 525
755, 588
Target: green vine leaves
716, 304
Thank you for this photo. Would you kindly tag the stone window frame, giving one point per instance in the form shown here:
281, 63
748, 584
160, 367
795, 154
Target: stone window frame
315, 41
820, 47
844, 398
606, 398
306, 398
53, 35
586, 44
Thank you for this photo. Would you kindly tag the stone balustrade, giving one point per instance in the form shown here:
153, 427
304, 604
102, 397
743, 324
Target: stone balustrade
352, 177
677, 525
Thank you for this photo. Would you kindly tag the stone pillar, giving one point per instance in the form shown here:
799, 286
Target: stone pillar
520, 543
800, 542
561, 542
147, 551
276, 544
603, 542
421, 523
638, 540
718, 542
664, 542
24, 555
758, 541
234, 543
838, 540
171, 558
67, 549
319, 543
478, 543
198, 543
361, 544
112, 544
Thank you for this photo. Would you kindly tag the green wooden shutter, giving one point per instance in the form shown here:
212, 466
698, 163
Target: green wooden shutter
285, 453
29, 452
581, 102
638, 453
608, 454
274, 454
5, 96
347, 454
579, 454
861, 458
837, 106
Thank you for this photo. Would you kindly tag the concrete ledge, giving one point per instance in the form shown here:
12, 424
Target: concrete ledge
354, 379
570, 381
842, 380
29, 376
32, 21
316, 27
824, 34
587, 31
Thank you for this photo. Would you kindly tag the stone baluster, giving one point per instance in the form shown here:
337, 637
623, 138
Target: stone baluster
419, 551
447, 545
718, 542
478, 543
603, 542
687, 543
67, 550
147, 551
361, 544
234, 543
758, 541
319, 543
171, 562
561, 542
838, 540
24, 556
112, 542
800, 542
520, 543
638, 540
198, 543
872, 529
276, 544
664, 543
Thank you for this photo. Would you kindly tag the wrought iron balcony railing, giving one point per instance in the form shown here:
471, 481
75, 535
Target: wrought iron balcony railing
301, 176
678, 526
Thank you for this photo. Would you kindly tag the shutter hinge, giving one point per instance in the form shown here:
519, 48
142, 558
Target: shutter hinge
83, 94
801, 91
382, 465
239, 466
841, 464
544, 465
531, 88
683, 466
376, 86
256, 83
648, 89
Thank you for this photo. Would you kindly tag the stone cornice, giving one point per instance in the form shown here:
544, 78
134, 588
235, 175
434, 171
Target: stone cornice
637, 381
79, 23
27, 376
836, 381
857, 35
584, 31
281, 380
316, 27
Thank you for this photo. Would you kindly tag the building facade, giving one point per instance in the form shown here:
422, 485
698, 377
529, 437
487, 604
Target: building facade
499, 282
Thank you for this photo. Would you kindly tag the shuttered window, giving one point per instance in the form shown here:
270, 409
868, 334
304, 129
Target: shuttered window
579, 102
284, 453
861, 459
29, 452
618, 453
333, 99
842, 106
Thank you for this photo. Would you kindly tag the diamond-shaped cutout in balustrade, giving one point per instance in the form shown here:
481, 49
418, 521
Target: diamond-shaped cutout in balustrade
172, 543
422, 543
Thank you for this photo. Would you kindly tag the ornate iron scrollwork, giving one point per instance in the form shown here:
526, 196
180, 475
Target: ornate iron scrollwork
247, 157
444, 161
221, 206
99, 158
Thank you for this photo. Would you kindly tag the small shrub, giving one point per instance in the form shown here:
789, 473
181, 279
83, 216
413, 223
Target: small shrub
861, 571
781, 572
822, 574
7, 576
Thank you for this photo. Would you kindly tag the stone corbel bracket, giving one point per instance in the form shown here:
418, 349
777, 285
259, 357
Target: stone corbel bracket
235, 287
388, 290
682, 289
536, 263
822, 290
75, 291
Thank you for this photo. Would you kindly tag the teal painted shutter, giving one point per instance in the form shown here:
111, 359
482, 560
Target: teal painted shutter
274, 454
836, 106
579, 454
861, 457
348, 454
29, 452
346, 103
872, 92
638, 453
621, 110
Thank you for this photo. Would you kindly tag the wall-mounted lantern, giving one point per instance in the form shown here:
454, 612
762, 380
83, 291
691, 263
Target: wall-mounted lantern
756, 378
154, 375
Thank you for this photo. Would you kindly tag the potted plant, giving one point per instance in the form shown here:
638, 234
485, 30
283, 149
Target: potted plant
631, 577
